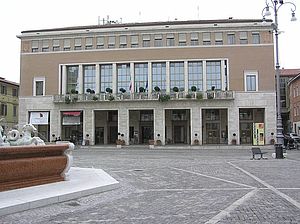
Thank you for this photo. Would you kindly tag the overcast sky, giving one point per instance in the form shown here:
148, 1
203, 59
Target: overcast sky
17, 16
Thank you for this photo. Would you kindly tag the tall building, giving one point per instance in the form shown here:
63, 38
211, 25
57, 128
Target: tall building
286, 75
180, 82
9, 103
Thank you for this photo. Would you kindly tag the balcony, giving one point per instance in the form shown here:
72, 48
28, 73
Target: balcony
155, 96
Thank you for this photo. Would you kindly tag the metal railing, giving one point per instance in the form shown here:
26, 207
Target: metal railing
161, 96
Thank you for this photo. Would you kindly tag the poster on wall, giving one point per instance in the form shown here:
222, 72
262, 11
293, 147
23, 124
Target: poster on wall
71, 118
39, 118
258, 134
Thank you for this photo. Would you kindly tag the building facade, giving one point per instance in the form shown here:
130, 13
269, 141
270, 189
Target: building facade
9, 103
294, 96
180, 82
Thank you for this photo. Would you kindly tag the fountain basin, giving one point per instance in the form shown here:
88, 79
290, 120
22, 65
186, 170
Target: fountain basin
25, 166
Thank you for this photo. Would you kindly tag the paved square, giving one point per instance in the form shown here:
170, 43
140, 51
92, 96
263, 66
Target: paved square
181, 186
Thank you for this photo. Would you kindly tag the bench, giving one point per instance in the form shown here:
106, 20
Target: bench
257, 151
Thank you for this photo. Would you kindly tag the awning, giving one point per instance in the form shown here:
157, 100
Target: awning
72, 113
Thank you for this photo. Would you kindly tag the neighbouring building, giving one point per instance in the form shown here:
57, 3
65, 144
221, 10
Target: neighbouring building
285, 76
180, 82
9, 103
294, 97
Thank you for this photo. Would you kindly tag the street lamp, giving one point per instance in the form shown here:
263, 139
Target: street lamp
276, 5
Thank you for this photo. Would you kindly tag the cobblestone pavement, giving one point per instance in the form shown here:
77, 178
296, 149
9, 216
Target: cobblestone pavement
181, 186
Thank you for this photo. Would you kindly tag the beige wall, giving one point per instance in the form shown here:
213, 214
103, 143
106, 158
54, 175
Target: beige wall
240, 58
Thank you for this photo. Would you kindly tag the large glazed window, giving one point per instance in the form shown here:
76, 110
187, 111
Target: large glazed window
141, 76
89, 74
105, 77
123, 74
72, 78
177, 75
195, 72
159, 75
213, 75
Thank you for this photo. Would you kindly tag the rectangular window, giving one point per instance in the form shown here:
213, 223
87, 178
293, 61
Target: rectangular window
77, 45
124, 78
72, 78
105, 77
231, 38
243, 38
89, 78
177, 75
4, 90
111, 42
213, 75
194, 39
218, 38
67, 44
3, 109
159, 75
123, 41
146, 40
170, 39
251, 81
88, 43
56, 45
134, 41
34, 46
195, 73
45, 46
182, 39
158, 40
15, 112
206, 39
141, 77
100, 42
39, 88
255, 38
15, 92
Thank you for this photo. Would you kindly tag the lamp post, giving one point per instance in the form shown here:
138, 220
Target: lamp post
276, 5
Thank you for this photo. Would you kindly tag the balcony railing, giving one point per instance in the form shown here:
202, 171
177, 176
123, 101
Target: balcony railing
160, 96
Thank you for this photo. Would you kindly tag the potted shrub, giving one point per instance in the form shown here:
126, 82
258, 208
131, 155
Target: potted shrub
95, 98
196, 142
156, 89
67, 100
199, 96
164, 98
141, 89
194, 88
175, 89
233, 141
122, 90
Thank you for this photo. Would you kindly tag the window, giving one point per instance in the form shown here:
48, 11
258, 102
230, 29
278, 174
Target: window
251, 81
177, 75
111, 42
45, 46
213, 75
170, 39
194, 39
231, 38
34, 46
123, 41
4, 90
100, 42
206, 39
105, 77
243, 38
88, 43
67, 44
3, 109
77, 45
15, 111
218, 38
159, 75
56, 45
72, 78
15, 92
182, 39
255, 38
89, 77
124, 78
195, 73
141, 76
134, 41
146, 40
39, 86
158, 40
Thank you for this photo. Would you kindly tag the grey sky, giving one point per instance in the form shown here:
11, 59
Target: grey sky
16, 16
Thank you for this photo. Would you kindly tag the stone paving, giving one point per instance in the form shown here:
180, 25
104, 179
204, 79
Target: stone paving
181, 186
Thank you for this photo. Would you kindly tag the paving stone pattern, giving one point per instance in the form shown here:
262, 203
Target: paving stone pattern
181, 186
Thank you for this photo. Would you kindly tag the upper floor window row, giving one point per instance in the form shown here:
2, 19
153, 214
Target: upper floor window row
146, 40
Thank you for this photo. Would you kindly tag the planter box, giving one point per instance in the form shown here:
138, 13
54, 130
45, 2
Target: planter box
25, 166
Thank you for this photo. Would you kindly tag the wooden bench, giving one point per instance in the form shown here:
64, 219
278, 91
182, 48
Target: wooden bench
257, 151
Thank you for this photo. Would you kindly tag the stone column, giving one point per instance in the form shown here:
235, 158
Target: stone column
97, 90
186, 77
64, 80
55, 123
233, 124
114, 78
150, 78
80, 80
196, 124
168, 77
88, 124
159, 124
123, 124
